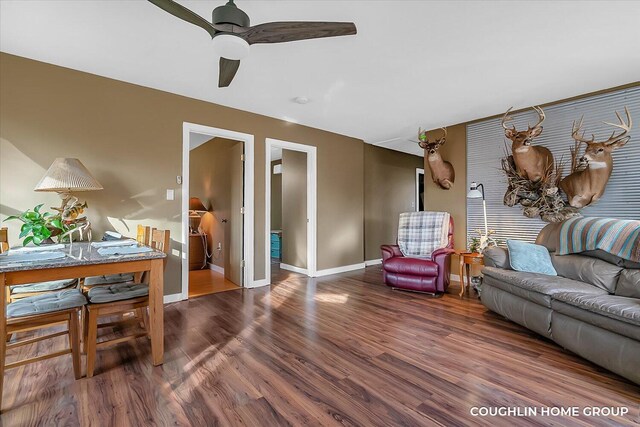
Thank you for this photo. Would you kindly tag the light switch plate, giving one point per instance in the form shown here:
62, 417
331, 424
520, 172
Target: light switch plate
170, 194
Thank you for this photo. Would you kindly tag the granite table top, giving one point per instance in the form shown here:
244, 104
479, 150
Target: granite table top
76, 254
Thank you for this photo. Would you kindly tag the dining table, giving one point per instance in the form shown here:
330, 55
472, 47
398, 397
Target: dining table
80, 260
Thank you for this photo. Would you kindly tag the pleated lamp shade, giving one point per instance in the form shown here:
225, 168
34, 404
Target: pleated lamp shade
65, 175
196, 205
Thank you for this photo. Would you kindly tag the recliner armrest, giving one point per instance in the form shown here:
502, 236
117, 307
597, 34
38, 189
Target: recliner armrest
390, 251
442, 252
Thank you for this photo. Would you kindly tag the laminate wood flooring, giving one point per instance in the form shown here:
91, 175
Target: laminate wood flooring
337, 350
205, 282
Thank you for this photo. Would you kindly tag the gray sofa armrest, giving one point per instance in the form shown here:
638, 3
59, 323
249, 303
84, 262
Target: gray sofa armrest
497, 257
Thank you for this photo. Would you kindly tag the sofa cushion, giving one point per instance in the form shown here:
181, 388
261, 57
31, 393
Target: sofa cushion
117, 292
619, 308
589, 270
108, 279
46, 303
531, 258
411, 266
611, 258
629, 284
496, 256
597, 319
53, 285
549, 236
534, 286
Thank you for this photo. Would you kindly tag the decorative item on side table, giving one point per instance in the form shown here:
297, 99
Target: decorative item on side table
64, 176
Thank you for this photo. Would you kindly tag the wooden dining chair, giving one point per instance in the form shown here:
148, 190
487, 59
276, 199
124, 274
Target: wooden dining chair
44, 311
32, 289
143, 236
117, 299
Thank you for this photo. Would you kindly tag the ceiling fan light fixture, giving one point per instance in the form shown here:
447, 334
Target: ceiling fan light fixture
230, 46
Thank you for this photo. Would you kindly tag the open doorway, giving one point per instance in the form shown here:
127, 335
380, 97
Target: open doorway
419, 189
217, 202
215, 216
290, 207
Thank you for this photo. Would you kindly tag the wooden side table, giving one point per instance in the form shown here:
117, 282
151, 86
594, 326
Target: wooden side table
466, 260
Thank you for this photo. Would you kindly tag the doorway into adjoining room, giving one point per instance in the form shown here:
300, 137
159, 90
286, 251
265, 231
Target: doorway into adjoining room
419, 190
215, 211
290, 207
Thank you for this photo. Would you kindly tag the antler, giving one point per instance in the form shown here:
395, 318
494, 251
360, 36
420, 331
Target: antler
541, 117
507, 118
444, 136
622, 125
575, 133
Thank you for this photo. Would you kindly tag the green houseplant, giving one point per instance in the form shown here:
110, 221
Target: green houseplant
39, 227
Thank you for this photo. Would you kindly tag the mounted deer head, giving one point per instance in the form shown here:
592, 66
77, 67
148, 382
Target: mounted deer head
442, 172
532, 162
585, 186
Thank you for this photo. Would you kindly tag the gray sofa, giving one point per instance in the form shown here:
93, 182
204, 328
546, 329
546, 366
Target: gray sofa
591, 308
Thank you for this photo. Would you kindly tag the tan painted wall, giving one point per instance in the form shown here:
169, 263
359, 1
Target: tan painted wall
454, 200
276, 198
389, 189
210, 180
130, 138
294, 208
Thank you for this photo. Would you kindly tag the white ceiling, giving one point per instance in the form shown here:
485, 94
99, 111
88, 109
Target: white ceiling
427, 63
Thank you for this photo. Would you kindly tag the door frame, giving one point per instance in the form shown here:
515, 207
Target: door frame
418, 172
312, 204
249, 220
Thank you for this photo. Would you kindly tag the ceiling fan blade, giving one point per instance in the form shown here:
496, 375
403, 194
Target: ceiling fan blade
185, 14
228, 69
279, 32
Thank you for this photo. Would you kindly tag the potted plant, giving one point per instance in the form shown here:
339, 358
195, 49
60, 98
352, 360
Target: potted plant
39, 227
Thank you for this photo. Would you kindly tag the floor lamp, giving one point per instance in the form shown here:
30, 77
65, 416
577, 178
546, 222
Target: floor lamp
476, 191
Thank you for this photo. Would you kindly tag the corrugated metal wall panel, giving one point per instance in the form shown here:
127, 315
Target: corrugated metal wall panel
486, 146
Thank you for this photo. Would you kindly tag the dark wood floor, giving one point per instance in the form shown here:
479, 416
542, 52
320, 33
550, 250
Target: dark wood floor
342, 349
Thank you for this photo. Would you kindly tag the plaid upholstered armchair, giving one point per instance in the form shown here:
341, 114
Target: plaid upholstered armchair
421, 260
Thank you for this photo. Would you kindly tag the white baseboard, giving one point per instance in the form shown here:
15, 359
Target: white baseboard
454, 277
373, 262
294, 269
259, 283
215, 268
172, 298
342, 269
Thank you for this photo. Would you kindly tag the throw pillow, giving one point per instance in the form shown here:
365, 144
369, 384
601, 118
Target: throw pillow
530, 258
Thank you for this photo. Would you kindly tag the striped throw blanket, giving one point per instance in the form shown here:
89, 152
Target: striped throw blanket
421, 233
619, 237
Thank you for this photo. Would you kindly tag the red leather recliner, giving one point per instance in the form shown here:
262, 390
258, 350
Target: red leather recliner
415, 274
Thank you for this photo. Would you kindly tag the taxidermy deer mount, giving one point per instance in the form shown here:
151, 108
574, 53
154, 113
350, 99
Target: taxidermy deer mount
442, 172
532, 162
590, 173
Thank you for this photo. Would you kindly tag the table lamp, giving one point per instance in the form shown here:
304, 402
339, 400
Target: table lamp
64, 176
196, 209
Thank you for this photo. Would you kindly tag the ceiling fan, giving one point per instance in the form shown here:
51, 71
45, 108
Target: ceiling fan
232, 34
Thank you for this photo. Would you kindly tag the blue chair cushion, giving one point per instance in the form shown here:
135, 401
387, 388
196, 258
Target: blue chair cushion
46, 303
117, 292
53, 285
109, 279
